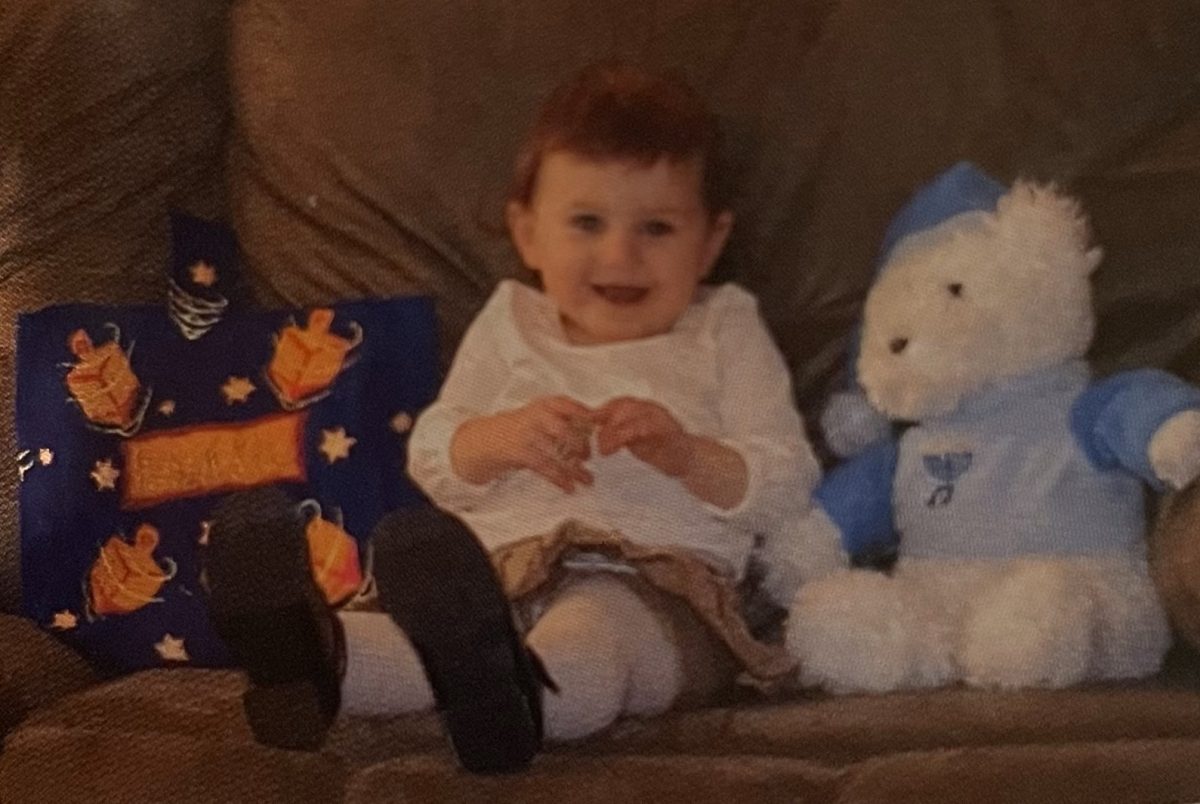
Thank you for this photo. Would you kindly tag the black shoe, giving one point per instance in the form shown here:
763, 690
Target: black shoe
438, 584
267, 608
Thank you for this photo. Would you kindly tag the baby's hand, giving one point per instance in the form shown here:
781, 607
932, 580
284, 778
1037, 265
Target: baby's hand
646, 429
550, 436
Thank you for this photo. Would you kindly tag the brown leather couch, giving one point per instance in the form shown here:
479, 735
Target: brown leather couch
362, 148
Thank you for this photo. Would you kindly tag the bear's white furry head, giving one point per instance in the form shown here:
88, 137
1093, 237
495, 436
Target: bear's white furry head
976, 299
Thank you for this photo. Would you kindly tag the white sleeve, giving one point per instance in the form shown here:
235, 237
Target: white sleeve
760, 420
476, 378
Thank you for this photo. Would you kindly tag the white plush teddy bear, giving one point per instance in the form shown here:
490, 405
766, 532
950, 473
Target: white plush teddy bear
1016, 484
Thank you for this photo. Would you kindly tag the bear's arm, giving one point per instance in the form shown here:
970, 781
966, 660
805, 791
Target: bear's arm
857, 496
1115, 419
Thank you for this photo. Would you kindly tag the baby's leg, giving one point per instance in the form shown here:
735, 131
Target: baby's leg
384, 675
266, 607
438, 585
608, 652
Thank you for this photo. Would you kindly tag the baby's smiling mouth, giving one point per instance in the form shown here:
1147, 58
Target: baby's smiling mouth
621, 294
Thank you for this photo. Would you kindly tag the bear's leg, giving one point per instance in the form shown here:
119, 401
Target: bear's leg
863, 631
1031, 627
1132, 633
607, 652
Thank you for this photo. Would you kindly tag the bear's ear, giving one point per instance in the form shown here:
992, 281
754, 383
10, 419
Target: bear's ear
1047, 227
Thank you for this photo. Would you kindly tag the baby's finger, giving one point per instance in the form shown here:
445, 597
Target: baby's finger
615, 409
575, 440
565, 436
542, 461
579, 473
566, 428
567, 407
564, 474
562, 440
614, 436
616, 421
560, 460
628, 432
606, 440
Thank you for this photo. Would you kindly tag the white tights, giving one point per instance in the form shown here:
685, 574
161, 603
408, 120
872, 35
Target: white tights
609, 653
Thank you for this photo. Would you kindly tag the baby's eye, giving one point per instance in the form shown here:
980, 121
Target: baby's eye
657, 228
586, 222
955, 289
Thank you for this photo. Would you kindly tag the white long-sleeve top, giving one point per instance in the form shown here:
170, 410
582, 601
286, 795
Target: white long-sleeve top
717, 371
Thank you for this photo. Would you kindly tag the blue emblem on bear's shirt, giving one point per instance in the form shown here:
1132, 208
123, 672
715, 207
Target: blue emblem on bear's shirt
945, 468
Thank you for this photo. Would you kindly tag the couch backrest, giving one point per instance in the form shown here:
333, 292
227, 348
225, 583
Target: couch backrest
108, 113
371, 144
374, 139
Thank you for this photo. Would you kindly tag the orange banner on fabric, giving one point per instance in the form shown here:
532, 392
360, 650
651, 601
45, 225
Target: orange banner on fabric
208, 458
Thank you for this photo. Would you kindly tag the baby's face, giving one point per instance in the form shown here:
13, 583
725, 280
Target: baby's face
620, 247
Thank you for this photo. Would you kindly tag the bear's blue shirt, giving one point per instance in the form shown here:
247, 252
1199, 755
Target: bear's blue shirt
1033, 466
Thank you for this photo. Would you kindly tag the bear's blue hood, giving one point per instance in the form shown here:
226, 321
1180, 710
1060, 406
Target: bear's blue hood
961, 188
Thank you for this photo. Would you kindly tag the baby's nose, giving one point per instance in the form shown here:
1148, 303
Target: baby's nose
898, 345
619, 251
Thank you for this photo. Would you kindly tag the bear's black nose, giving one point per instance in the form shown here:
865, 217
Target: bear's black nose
897, 345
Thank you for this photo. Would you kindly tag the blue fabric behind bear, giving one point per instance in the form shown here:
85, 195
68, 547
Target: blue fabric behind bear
80, 485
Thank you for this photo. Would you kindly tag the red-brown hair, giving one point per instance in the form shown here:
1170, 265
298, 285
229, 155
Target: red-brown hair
613, 110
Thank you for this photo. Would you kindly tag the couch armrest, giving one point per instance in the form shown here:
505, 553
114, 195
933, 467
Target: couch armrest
1175, 560
35, 669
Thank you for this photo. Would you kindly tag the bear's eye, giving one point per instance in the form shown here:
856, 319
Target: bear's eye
955, 289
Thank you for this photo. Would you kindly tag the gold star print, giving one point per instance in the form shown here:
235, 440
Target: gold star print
45, 456
172, 649
64, 621
166, 407
335, 444
203, 274
105, 475
237, 389
402, 422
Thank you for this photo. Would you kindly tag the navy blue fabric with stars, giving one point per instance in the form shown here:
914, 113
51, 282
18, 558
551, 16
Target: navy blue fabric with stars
200, 366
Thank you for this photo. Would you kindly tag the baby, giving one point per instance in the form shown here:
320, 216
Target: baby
613, 438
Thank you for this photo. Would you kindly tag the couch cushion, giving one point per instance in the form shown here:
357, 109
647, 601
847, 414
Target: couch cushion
598, 780
155, 737
164, 727
35, 669
852, 729
1084, 773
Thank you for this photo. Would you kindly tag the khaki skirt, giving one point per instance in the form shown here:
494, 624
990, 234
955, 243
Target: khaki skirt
701, 607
